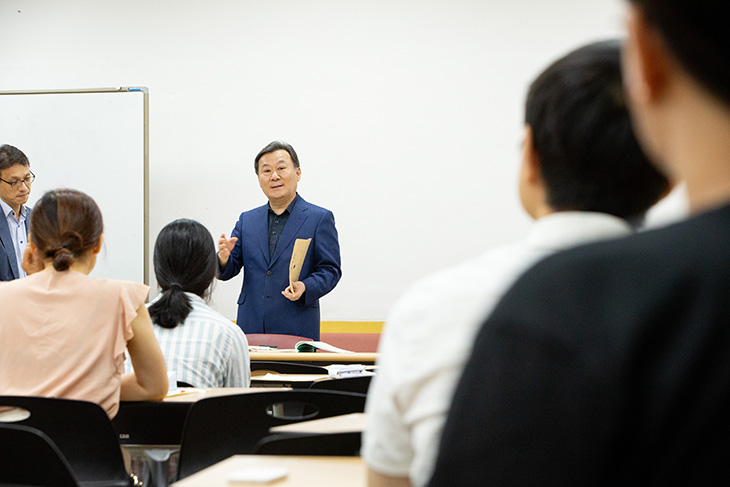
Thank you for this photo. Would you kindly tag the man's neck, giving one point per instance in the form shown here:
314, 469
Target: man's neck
279, 207
700, 157
692, 136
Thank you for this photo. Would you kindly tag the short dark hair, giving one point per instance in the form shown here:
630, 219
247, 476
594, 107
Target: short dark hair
65, 224
273, 147
185, 261
10, 156
696, 33
582, 132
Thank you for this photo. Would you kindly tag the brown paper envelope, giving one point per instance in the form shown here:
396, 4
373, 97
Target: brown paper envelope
297, 258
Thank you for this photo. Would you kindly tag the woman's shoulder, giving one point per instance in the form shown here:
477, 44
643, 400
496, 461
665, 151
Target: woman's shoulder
134, 291
202, 309
203, 312
115, 283
11, 287
42, 280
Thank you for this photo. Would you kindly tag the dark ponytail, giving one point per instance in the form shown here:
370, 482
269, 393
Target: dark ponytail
185, 261
171, 309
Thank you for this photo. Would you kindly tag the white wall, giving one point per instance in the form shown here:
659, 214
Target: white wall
407, 115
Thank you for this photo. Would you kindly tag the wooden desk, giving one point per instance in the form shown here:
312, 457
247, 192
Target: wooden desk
302, 471
317, 358
345, 423
193, 394
261, 379
161, 422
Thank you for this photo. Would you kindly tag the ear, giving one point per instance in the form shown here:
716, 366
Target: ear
531, 166
97, 247
646, 59
32, 245
299, 173
531, 185
31, 262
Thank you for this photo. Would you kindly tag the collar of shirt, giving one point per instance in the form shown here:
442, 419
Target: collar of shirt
562, 229
288, 208
7, 210
193, 298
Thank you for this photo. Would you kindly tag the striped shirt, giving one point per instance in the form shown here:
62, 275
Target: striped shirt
207, 350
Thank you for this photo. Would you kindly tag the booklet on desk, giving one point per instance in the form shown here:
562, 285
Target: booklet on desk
313, 346
303, 346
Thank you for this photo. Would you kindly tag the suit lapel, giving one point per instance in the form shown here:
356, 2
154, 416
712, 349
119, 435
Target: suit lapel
261, 231
7, 244
293, 224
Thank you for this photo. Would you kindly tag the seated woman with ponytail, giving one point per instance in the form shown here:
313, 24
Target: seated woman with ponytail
63, 333
204, 348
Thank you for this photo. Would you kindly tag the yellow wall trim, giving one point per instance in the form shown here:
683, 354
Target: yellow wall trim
351, 327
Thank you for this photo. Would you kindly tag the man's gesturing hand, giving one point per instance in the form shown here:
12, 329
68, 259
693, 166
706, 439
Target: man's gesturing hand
225, 245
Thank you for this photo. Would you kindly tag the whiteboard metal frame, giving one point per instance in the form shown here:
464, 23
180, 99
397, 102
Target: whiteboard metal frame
122, 89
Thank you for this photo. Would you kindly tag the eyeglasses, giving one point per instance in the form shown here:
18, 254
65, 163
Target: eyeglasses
16, 184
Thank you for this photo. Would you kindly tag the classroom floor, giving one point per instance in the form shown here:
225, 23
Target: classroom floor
153, 467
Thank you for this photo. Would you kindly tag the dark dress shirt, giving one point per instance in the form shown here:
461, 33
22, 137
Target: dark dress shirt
277, 224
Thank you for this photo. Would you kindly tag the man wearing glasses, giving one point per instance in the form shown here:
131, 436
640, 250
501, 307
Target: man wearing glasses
15, 181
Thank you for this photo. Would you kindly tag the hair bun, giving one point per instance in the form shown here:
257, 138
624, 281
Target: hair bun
73, 241
62, 258
63, 249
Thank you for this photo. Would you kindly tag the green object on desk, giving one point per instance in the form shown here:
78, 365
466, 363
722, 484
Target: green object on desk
306, 347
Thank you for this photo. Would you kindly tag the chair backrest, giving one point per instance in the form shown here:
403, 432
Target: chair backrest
356, 342
29, 457
274, 340
349, 384
82, 432
330, 444
287, 367
218, 427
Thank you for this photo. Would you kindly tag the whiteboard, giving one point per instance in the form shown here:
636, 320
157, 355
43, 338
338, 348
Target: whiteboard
95, 141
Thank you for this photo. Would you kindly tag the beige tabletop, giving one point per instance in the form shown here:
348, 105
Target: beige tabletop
300, 471
266, 376
193, 394
344, 423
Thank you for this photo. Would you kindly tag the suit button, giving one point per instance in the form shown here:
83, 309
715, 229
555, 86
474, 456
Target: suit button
268, 273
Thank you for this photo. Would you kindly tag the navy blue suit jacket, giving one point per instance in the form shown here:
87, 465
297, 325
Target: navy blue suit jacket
8, 262
261, 306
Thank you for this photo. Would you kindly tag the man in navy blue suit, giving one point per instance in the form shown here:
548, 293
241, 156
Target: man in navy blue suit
262, 243
15, 181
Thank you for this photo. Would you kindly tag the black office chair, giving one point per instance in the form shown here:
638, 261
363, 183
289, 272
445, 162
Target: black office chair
82, 432
287, 367
348, 384
218, 427
29, 457
330, 444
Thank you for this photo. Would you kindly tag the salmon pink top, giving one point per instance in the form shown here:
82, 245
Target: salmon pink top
63, 334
